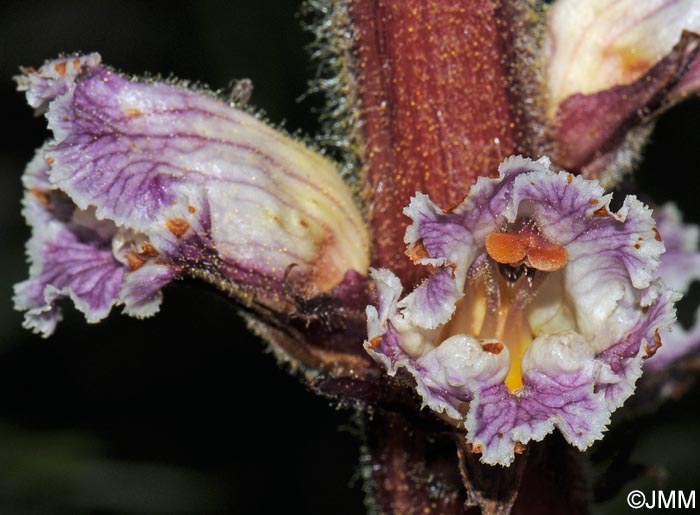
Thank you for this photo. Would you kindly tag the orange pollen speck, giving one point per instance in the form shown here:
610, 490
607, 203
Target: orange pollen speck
492, 347
41, 195
192, 209
60, 68
601, 211
148, 250
512, 248
135, 261
50, 161
375, 341
178, 226
133, 112
657, 236
417, 252
519, 448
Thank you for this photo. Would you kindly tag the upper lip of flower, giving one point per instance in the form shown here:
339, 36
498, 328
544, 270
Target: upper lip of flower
538, 290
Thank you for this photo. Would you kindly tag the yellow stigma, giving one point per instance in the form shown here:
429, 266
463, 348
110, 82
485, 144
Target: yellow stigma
518, 340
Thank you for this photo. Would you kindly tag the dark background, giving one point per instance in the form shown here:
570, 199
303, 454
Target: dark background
185, 412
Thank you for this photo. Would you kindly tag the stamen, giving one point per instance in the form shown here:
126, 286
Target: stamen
472, 310
524, 243
517, 333
496, 302
510, 278
498, 292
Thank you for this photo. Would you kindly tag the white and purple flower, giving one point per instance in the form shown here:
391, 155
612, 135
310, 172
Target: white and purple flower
679, 268
144, 182
541, 306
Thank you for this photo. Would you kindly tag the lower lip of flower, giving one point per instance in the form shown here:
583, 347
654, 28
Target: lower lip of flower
500, 289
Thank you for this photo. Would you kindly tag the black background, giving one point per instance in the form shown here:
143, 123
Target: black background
185, 412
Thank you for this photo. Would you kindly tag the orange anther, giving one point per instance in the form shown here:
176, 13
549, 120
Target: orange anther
417, 252
547, 257
148, 250
512, 248
505, 247
42, 196
374, 342
135, 261
650, 349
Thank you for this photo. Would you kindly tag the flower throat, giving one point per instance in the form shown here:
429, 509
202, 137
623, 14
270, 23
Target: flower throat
500, 286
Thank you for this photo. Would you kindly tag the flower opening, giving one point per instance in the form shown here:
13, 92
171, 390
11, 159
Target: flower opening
539, 312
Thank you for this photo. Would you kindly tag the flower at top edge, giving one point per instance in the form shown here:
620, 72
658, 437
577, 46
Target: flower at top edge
541, 306
679, 268
611, 66
597, 44
143, 182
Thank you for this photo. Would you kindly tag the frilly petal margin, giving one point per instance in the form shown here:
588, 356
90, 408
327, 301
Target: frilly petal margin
611, 66
147, 181
589, 323
71, 256
680, 267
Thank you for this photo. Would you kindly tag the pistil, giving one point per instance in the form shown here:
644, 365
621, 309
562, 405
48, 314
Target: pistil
516, 332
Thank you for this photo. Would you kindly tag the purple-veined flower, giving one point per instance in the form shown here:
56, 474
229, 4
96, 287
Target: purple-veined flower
541, 308
144, 182
152, 200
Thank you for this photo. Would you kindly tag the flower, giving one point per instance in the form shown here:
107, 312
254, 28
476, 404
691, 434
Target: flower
540, 309
612, 66
679, 268
146, 182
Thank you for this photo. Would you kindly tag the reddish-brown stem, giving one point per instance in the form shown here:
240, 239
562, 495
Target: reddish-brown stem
553, 481
417, 469
440, 104
408, 471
